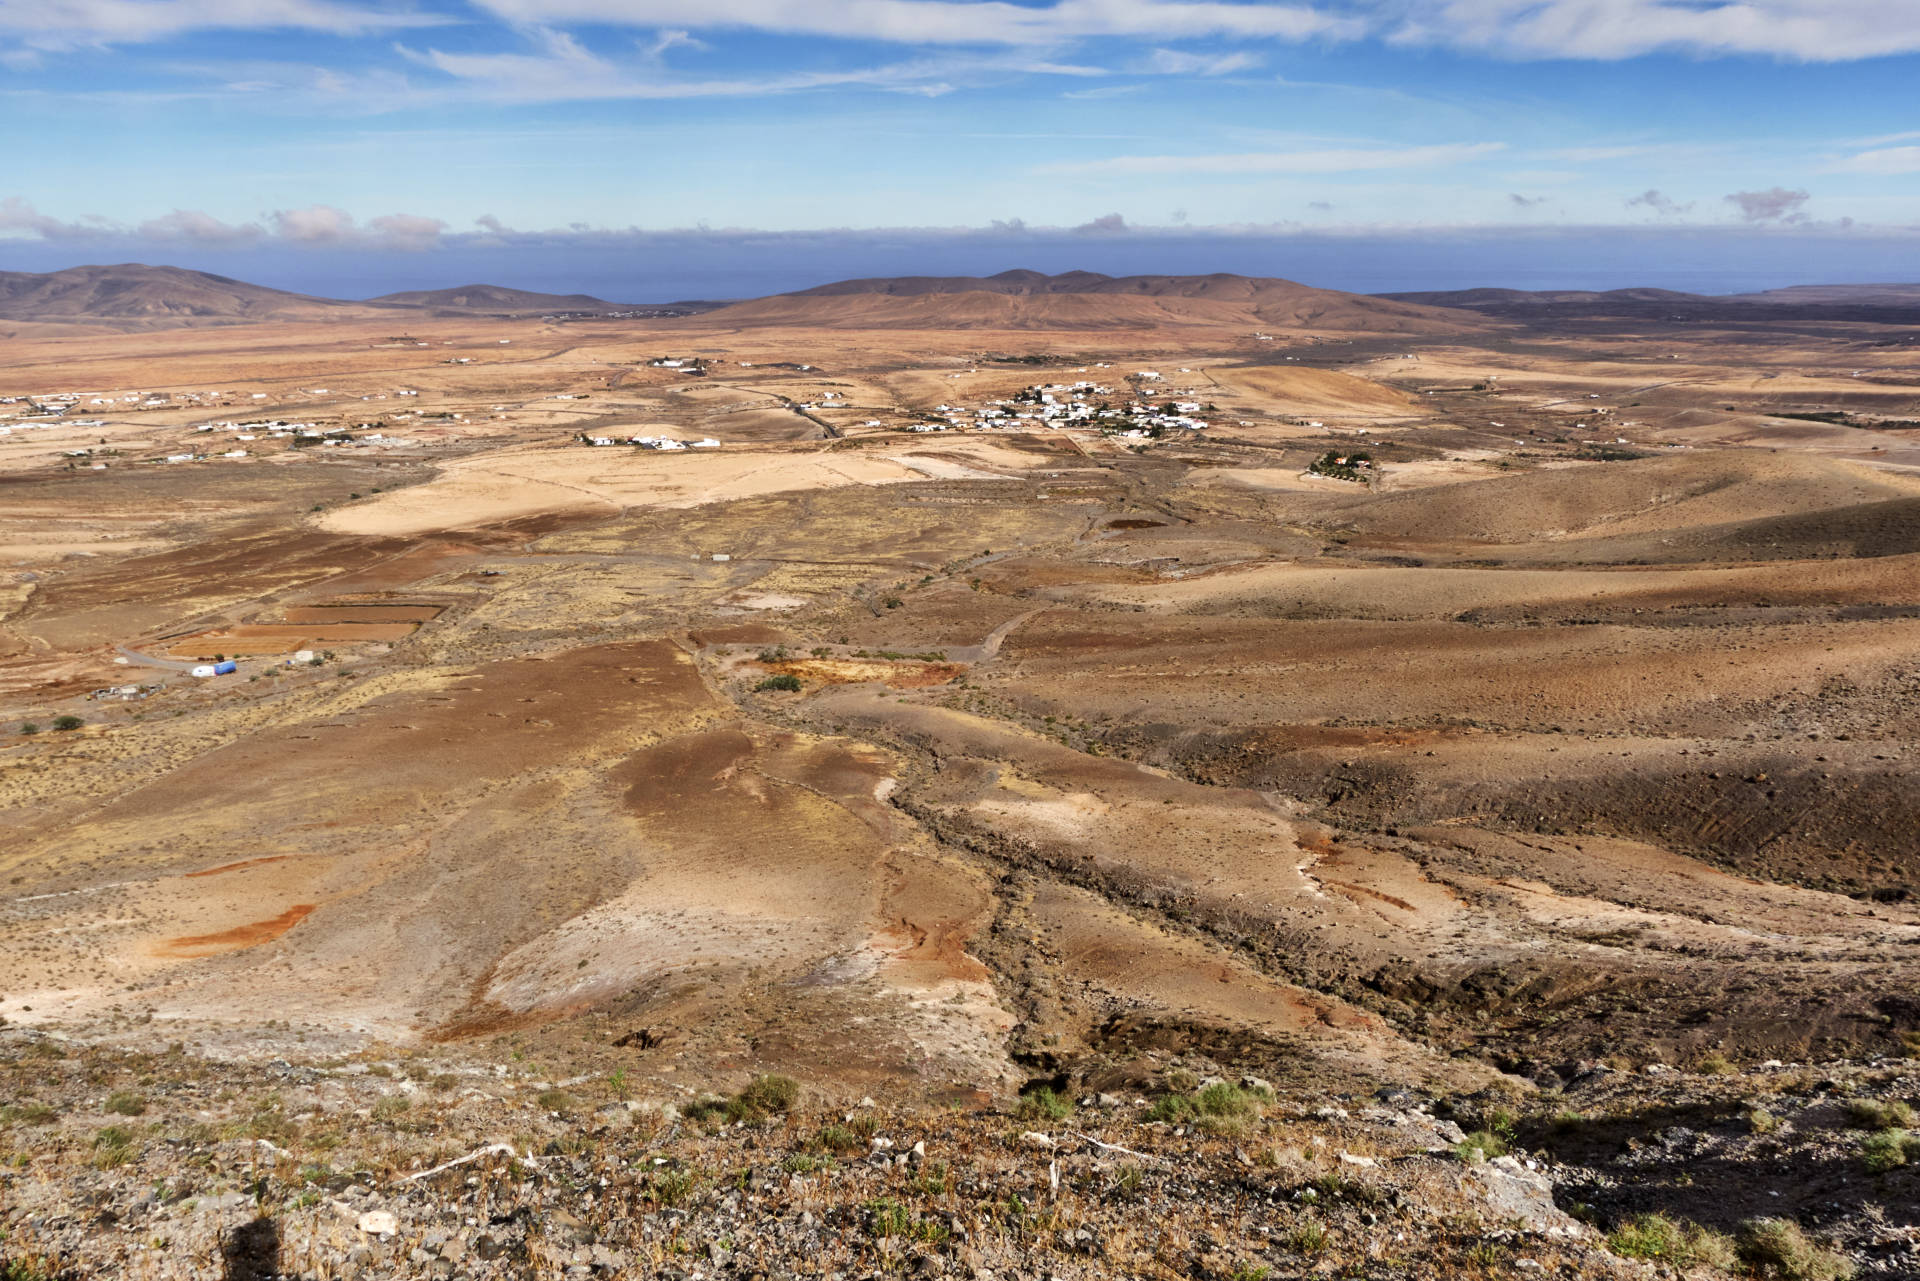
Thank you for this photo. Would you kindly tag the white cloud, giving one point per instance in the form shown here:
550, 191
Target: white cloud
666, 40
1174, 62
1804, 30
563, 69
17, 215
314, 225
1323, 160
1884, 161
409, 232
69, 24
196, 227
958, 22
1809, 30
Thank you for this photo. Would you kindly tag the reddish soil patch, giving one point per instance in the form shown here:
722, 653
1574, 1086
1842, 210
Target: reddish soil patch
241, 936
235, 867
739, 634
358, 612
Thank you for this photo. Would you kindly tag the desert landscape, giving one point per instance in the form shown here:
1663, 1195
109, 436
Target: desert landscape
1447, 750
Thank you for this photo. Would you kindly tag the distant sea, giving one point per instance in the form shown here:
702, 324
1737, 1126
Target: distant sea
664, 266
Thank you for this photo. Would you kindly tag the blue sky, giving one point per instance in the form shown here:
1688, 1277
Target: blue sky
663, 148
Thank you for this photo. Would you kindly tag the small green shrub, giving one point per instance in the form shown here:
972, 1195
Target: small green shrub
125, 1103
1481, 1145
1044, 1105
1170, 1108
112, 1147
888, 1219
1223, 1100
671, 1187
1663, 1240
65, 723
1308, 1238
1885, 1150
1879, 1114
389, 1106
29, 727
837, 1138
784, 681
771, 1093
763, 1097
555, 1101
27, 1114
1777, 1248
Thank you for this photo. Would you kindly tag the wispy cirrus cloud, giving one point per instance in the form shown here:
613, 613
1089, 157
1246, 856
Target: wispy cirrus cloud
70, 24
1315, 160
561, 69
1178, 62
1883, 161
1609, 30
1603, 30
952, 22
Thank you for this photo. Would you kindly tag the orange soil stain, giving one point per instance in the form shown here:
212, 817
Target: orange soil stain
234, 867
241, 936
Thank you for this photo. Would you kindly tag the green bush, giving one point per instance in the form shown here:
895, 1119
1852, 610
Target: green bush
784, 681
1879, 1114
125, 1103
837, 1138
29, 727
671, 1187
1885, 1150
27, 1114
1044, 1105
112, 1147
1777, 1248
1481, 1145
67, 722
1663, 1240
763, 1097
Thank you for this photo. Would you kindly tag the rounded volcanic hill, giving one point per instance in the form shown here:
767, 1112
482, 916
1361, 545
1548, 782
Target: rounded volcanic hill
1089, 300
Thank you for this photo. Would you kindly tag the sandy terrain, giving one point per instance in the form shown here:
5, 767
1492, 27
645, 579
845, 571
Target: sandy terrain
1527, 743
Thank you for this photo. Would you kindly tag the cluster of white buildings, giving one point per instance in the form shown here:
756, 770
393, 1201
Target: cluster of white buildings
653, 442
1078, 404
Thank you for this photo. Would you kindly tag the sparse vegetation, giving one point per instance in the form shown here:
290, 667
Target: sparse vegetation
1044, 1104
1779, 1250
1677, 1243
1879, 1114
784, 681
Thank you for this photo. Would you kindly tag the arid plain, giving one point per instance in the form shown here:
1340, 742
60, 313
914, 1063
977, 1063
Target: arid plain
1480, 692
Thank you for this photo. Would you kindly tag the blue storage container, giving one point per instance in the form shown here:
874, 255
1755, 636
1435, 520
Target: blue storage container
225, 669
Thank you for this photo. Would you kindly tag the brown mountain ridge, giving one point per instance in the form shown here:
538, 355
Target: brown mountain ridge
1089, 300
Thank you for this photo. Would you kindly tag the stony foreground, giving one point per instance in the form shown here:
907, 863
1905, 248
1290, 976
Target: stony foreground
163, 1166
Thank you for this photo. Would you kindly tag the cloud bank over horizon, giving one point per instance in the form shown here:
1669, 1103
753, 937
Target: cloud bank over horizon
360, 134
327, 251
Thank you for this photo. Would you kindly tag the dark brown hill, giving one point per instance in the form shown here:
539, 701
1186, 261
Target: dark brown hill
1089, 300
151, 297
497, 300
